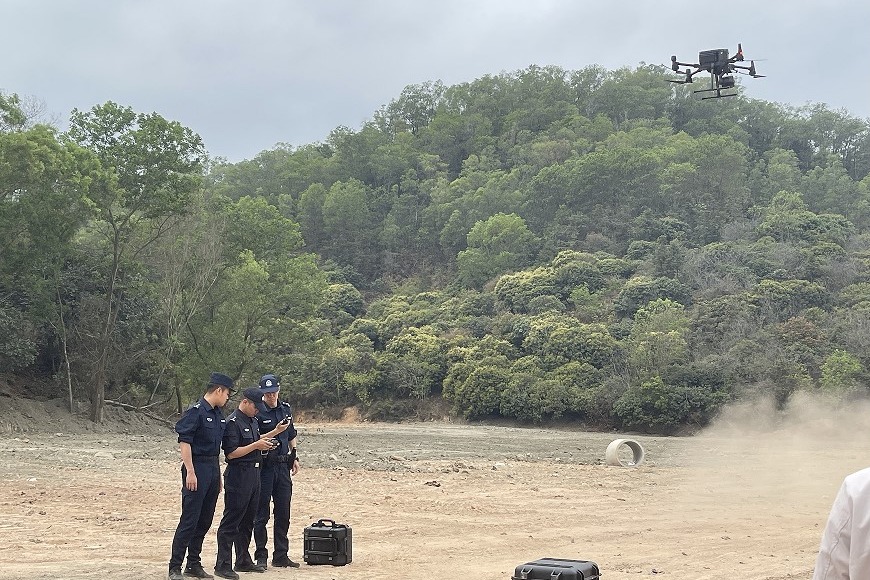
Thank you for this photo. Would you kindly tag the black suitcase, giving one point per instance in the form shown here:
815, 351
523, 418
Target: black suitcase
326, 542
557, 569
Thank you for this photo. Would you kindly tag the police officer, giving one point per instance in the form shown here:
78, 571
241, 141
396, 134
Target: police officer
242, 446
275, 480
200, 432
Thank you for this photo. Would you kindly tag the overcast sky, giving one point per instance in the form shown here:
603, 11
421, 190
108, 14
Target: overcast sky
247, 74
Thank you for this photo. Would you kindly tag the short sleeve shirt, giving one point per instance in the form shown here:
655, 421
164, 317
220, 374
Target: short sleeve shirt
241, 431
202, 427
271, 418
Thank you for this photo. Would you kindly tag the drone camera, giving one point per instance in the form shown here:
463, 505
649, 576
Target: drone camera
727, 82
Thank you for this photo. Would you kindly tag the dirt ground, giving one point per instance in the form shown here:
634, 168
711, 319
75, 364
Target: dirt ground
745, 499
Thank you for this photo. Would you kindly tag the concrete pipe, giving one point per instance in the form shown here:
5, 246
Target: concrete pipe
611, 456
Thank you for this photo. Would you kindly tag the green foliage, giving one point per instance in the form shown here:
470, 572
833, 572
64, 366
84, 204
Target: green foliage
594, 245
516, 291
640, 290
788, 219
659, 407
786, 298
842, 373
17, 344
344, 298
500, 244
658, 337
480, 394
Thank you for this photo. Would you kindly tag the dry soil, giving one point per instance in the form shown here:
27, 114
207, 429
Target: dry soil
744, 499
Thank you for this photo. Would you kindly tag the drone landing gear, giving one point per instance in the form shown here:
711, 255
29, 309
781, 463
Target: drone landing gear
718, 94
717, 85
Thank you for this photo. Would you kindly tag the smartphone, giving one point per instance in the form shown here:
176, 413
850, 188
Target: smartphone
285, 421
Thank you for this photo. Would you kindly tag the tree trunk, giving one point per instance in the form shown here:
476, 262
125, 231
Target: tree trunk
65, 349
98, 399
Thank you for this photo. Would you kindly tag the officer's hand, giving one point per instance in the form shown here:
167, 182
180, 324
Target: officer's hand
281, 427
263, 444
295, 468
190, 482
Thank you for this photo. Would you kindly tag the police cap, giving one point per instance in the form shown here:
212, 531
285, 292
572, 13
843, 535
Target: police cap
255, 395
222, 380
269, 384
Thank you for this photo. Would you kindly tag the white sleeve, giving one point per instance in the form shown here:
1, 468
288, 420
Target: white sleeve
833, 562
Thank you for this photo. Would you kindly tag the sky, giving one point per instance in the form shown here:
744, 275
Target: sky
248, 75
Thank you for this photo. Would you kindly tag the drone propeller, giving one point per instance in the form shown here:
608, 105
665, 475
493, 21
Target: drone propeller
752, 72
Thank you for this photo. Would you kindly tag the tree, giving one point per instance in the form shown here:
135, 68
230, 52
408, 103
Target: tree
44, 188
154, 166
497, 245
253, 316
348, 224
658, 337
842, 373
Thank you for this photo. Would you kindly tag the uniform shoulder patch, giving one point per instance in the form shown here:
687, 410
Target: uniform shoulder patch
286, 404
232, 418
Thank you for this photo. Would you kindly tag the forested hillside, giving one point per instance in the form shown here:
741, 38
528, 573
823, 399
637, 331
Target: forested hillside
593, 246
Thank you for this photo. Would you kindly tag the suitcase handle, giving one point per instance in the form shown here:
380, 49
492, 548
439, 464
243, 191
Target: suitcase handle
327, 523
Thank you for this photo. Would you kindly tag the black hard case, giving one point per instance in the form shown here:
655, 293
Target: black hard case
557, 569
326, 542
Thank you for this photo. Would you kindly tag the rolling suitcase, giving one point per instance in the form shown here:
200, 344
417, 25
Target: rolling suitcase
557, 569
326, 542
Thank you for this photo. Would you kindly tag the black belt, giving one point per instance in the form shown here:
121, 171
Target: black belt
244, 464
206, 457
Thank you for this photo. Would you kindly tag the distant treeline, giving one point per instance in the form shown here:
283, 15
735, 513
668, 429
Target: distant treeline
593, 246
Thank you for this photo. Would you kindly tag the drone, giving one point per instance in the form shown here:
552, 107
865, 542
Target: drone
721, 68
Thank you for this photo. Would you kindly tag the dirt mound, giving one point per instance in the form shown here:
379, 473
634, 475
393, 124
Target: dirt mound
22, 410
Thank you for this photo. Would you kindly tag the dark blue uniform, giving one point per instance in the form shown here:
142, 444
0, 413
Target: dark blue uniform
241, 491
202, 426
275, 483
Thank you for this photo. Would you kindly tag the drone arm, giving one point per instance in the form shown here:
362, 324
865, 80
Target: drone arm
750, 70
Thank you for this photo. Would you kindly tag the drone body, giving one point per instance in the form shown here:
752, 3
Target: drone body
721, 67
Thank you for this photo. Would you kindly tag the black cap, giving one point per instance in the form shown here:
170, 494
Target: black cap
255, 395
222, 380
269, 384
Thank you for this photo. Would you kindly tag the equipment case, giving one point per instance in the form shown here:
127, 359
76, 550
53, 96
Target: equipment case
557, 569
326, 542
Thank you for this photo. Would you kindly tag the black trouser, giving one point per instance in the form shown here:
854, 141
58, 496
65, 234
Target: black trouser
197, 511
275, 482
241, 493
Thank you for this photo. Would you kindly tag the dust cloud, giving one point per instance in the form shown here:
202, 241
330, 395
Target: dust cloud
768, 476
